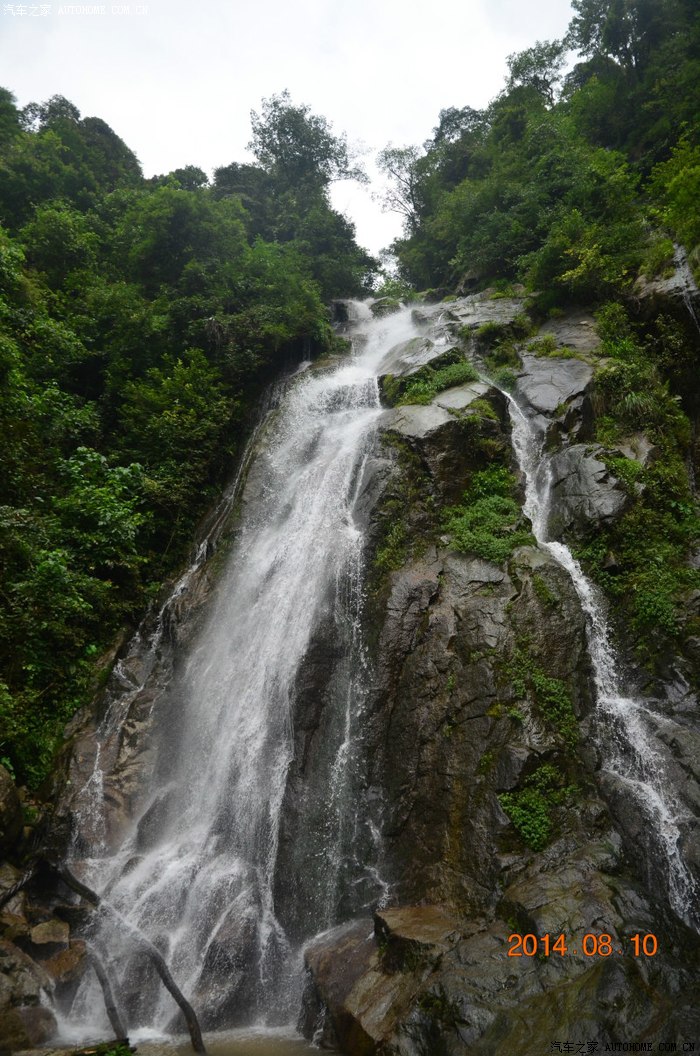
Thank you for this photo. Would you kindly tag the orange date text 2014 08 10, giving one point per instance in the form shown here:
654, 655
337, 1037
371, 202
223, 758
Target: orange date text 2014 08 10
590, 945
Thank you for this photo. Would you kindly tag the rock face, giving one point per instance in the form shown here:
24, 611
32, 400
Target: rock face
24, 1021
546, 384
443, 986
446, 707
438, 431
584, 491
676, 291
482, 691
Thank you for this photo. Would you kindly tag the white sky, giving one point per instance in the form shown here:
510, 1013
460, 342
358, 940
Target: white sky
177, 79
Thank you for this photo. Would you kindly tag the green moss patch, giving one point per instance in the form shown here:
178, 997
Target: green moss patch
549, 696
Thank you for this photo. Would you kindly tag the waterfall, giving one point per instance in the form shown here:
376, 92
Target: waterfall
198, 868
238, 850
624, 736
690, 291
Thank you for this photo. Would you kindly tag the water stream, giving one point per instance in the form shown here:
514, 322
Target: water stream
625, 737
198, 870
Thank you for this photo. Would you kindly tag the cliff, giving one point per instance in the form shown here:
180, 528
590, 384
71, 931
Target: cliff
502, 817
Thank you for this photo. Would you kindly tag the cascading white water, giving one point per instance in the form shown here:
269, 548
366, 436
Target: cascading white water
196, 871
690, 292
625, 739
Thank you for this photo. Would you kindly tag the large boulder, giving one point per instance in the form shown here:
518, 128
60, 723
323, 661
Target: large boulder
439, 432
422, 982
482, 308
25, 1022
584, 492
552, 390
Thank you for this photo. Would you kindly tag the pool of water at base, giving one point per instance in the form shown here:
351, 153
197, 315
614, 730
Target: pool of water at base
247, 1042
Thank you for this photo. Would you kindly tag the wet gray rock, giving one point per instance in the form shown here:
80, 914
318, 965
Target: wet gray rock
445, 326
551, 388
584, 492
576, 331
426, 983
676, 293
480, 308
408, 356
418, 421
24, 1022
461, 397
438, 432
230, 968
384, 306
50, 933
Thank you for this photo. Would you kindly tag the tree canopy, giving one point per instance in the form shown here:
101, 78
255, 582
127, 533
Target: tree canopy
299, 148
563, 183
139, 321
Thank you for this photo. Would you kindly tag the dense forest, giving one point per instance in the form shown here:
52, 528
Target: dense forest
139, 321
141, 318
571, 183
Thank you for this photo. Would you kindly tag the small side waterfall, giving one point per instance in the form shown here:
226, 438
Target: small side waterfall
690, 292
198, 871
625, 740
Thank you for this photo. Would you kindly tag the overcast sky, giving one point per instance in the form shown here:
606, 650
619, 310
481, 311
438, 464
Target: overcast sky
177, 80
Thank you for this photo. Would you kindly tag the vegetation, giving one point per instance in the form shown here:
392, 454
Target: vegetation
563, 182
641, 560
407, 512
575, 185
425, 384
549, 696
531, 808
488, 522
113, 1048
139, 321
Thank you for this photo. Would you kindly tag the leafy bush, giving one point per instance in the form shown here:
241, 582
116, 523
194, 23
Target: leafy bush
428, 382
550, 696
488, 522
547, 346
649, 574
391, 553
658, 259
531, 808
676, 185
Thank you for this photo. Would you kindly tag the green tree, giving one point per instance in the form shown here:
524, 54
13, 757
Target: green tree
9, 118
299, 147
402, 195
538, 67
